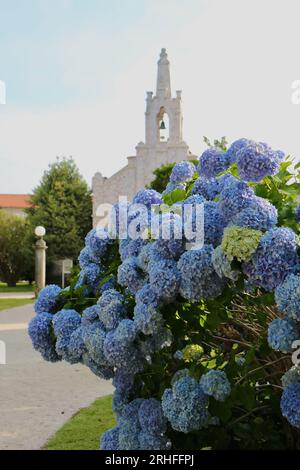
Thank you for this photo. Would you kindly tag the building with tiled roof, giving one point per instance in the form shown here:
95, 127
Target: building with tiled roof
15, 203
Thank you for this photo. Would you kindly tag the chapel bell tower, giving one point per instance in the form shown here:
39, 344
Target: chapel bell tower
163, 113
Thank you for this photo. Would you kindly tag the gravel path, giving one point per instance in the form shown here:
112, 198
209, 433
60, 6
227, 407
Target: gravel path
16, 295
37, 397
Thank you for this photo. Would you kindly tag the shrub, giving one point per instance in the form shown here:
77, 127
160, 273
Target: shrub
193, 339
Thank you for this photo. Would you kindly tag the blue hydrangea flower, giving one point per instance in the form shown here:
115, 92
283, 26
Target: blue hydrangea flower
147, 256
94, 336
292, 376
193, 200
182, 172
212, 162
126, 331
147, 296
65, 322
215, 384
259, 215
134, 247
39, 330
124, 248
119, 402
129, 275
167, 230
129, 430
290, 404
86, 257
235, 147
193, 219
104, 371
214, 223
198, 277
47, 300
147, 318
76, 346
142, 426
185, 405
164, 279
235, 196
92, 273
224, 180
90, 315
148, 197
151, 417
287, 296
210, 188
111, 308
139, 220
97, 242
62, 347
255, 161
123, 382
119, 351
110, 439
274, 258
282, 332
206, 187
131, 412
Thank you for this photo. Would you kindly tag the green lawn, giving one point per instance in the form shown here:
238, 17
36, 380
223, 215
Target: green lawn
20, 287
83, 430
5, 304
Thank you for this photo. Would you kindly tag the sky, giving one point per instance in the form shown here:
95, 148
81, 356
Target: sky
77, 71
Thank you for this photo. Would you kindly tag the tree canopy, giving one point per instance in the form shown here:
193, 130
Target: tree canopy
15, 251
62, 204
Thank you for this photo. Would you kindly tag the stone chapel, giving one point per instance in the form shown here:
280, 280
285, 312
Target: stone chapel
163, 144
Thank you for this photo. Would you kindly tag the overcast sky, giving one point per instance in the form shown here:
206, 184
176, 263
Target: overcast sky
77, 72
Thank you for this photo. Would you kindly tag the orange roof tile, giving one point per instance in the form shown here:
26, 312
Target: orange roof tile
16, 201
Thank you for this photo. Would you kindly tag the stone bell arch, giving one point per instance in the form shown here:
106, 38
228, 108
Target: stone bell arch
163, 113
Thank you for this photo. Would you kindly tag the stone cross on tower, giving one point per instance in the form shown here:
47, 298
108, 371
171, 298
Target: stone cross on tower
163, 113
163, 84
163, 144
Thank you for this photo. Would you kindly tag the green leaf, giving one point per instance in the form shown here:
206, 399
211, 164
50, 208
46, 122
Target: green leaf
174, 196
246, 395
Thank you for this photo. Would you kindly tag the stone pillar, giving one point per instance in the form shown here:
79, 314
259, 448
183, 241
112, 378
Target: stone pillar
40, 263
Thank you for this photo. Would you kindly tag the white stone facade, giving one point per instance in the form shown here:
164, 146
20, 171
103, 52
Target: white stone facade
163, 144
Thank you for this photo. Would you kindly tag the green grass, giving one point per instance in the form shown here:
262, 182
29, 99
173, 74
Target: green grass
20, 287
83, 430
5, 304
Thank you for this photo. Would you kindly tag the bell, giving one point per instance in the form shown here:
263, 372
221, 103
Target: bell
162, 125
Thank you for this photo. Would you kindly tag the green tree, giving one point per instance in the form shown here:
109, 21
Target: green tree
62, 203
15, 252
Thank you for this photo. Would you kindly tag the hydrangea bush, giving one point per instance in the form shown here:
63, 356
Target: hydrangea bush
197, 342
